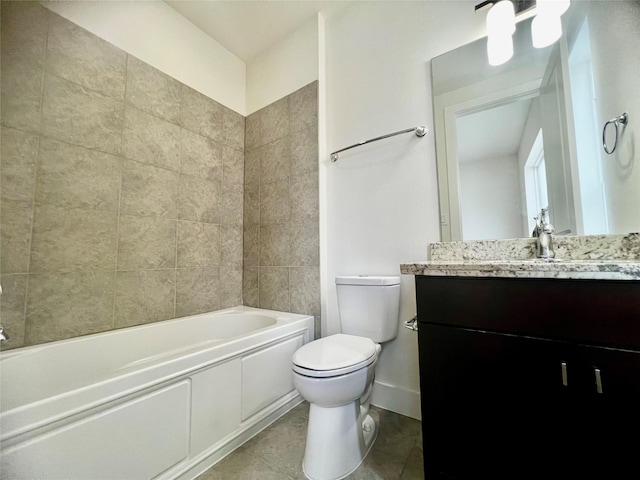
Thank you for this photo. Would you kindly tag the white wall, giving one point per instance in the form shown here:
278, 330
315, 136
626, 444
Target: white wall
284, 68
156, 34
382, 199
618, 50
490, 198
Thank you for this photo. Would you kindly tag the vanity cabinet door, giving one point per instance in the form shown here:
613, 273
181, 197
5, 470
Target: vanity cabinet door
494, 405
609, 411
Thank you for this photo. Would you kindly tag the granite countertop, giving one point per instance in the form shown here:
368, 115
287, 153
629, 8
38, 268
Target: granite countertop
594, 269
607, 257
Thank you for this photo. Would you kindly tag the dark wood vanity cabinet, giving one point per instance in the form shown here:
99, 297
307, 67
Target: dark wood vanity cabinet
529, 378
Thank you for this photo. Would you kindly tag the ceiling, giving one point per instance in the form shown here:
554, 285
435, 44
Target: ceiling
248, 28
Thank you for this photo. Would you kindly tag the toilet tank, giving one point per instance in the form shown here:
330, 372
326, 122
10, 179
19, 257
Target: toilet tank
369, 306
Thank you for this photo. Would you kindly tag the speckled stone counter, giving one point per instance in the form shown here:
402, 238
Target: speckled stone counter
608, 257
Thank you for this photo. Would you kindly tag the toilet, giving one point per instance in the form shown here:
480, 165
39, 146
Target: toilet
335, 375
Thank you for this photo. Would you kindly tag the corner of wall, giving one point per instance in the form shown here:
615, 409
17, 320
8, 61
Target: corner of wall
158, 35
297, 55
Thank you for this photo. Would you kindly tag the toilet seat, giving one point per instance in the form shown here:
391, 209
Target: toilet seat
335, 355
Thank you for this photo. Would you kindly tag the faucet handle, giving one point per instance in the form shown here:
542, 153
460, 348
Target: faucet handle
3, 336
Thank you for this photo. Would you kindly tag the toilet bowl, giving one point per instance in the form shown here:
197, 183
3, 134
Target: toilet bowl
335, 375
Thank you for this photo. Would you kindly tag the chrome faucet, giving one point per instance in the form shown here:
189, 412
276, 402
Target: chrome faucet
543, 233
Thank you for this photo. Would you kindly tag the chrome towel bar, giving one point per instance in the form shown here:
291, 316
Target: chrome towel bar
420, 132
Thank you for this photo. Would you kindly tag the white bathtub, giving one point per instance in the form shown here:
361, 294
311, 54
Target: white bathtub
162, 401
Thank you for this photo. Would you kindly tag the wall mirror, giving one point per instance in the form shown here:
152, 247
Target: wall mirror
528, 134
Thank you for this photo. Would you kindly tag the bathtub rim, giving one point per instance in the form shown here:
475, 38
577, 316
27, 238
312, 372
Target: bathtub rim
236, 310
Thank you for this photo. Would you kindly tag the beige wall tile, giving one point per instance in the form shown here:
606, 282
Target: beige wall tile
200, 156
152, 91
233, 166
275, 160
15, 236
199, 199
148, 190
252, 130
198, 245
72, 239
275, 244
201, 114
151, 140
231, 246
304, 151
146, 242
250, 286
304, 196
24, 31
233, 129
81, 57
144, 296
305, 290
81, 116
252, 166
281, 205
274, 202
66, 305
274, 123
12, 309
17, 181
274, 288
303, 108
18, 147
231, 204
197, 291
18, 167
77, 177
230, 286
252, 246
21, 94
251, 205
305, 242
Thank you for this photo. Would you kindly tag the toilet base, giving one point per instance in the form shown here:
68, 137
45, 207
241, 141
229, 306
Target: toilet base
338, 440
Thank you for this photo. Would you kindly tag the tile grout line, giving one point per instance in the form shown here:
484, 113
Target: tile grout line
35, 184
175, 259
119, 211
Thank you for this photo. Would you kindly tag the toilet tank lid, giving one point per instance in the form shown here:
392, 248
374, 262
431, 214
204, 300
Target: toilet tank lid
368, 280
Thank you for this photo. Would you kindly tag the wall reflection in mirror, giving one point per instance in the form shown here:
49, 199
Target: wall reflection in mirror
528, 134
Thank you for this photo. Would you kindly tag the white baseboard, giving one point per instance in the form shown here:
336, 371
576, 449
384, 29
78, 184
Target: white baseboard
399, 400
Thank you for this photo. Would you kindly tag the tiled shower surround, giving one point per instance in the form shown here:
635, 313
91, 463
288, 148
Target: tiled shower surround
281, 240
122, 192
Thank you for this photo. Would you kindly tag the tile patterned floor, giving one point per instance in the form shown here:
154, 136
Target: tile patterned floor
276, 453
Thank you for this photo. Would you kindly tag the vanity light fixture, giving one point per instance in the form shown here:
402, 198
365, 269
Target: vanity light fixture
501, 23
546, 27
